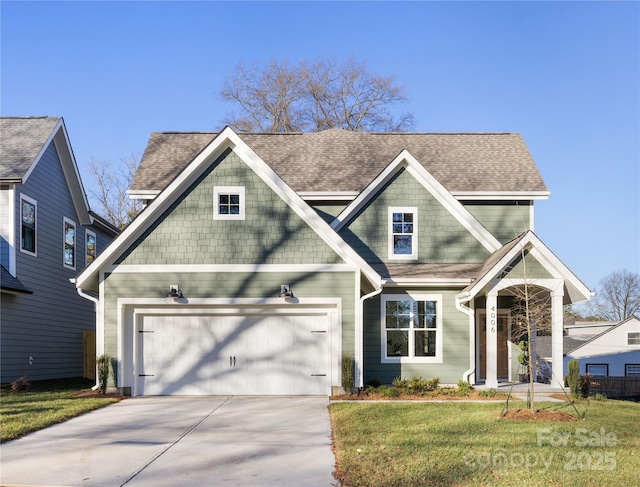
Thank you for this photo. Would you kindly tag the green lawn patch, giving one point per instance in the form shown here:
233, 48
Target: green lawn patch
45, 403
465, 444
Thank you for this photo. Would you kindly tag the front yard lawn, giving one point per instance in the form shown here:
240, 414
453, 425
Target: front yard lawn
464, 444
45, 403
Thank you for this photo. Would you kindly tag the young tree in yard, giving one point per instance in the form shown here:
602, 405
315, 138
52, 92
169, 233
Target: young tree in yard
313, 96
111, 195
618, 297
530, 316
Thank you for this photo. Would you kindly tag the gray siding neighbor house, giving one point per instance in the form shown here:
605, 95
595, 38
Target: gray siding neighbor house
48, 235
261, 260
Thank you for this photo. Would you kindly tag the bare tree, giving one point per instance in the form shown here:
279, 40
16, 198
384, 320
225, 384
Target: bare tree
618, 297
314, 96
111, 194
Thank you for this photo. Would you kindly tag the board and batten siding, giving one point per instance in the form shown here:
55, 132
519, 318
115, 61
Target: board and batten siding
455, 340
441, 237
48, 324
504, 219
228, 285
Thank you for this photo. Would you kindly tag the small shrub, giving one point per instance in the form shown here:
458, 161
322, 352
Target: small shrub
432, 384
572, 376
464, 388
445, 391
386, 391
600, 397
103, 363
347, 373
20, 385
374, 382
585, 383
488, 393
400, 383
417, 384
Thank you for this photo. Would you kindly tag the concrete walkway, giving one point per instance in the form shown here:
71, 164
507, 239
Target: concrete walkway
181, 441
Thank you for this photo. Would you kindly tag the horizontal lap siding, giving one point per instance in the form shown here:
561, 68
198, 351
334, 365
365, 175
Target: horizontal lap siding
47, 324
455, 344
227, 285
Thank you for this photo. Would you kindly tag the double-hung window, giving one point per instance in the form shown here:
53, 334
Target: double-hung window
228, 203
411, 328
69, 250
403, 233
90, 247
598, 369
632, 370
633, 338
28, 225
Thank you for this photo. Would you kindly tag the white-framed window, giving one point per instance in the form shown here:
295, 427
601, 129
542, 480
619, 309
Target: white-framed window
632, 370
28, 225
598, 369
633, 338
403, 233
228, 203
90, 247
411, 328
69, 244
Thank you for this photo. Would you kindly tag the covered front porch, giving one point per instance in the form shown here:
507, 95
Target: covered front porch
520, 295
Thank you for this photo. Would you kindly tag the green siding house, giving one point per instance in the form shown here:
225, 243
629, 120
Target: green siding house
261, 260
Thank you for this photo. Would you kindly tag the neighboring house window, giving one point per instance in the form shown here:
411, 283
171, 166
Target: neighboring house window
632, 370
633, 338
28, 224
69, 250
403, 233
228, 203
598, 369
411, 328
90, 247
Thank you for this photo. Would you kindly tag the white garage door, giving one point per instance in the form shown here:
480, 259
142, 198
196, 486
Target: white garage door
203, 355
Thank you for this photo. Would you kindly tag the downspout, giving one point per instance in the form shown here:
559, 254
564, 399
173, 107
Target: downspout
472, 336
359, 374
96, 302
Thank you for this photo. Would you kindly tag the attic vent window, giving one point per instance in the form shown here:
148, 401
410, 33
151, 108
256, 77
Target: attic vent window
228, 203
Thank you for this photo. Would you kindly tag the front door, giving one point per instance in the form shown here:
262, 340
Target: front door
503, 345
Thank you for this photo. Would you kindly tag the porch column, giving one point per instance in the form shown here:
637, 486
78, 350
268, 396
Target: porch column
492, 340
557, 329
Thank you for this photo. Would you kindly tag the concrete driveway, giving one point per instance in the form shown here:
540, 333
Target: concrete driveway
181, 441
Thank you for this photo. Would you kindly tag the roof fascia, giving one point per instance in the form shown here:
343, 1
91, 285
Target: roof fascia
431, 184
71, 173
226, 139
143, 194
529, 241
501, 195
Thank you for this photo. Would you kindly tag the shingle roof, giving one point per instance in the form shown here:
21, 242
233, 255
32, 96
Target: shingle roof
340, 160
427, 271
543, 345
21, 140
12, 284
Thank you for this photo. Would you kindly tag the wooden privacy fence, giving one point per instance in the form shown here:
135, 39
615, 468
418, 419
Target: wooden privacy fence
615, 387
89, 355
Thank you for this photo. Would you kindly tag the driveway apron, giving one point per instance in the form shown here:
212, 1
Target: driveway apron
181, 441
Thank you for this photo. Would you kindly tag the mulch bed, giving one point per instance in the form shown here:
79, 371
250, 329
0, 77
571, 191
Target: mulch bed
372, 396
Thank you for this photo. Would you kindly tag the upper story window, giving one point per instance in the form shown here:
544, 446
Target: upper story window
403, 233
411, 328
228, 203
90, 247
69, 250
633, 338
28, 224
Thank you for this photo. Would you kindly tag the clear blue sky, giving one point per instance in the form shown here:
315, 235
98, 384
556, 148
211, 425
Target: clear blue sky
564, 75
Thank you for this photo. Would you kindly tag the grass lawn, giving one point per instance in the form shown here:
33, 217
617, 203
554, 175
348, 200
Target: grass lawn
464, 444
45, 403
